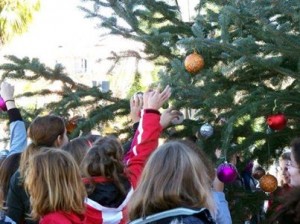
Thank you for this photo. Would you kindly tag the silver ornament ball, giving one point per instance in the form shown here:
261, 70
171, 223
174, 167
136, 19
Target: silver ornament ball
206, 130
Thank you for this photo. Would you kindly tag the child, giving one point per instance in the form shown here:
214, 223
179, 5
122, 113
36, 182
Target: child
175, 185
109, 184
46, 131
56, 190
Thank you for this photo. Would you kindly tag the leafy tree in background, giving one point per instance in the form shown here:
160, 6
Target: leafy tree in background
251, 51
15, 16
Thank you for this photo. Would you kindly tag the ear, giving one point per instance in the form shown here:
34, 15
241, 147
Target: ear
59, 141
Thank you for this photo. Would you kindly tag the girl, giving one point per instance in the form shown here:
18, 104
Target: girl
289, 211
44, 131
108, 183
175, 185
77, 147
56, 190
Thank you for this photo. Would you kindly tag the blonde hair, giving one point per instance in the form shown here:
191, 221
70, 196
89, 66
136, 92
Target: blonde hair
54, 183
174, 176
43, 131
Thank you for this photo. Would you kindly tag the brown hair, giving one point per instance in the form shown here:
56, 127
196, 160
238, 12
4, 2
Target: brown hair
174, 176
285, 156
205, 159
8, 167
1, 199
54, 183
78, 148
105, 159
289, 211
43, 132
296, 150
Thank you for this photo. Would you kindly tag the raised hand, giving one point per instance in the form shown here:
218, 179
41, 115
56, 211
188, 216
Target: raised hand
167, 116
155, 99
7, 93
136, 105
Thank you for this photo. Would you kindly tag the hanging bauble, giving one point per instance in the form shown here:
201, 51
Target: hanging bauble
226, 172
258, 173
277, 121
206, 130
193, 63
178, 120
268, 183
2, 104
71, 125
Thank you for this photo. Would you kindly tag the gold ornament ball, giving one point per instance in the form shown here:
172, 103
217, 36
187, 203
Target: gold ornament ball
193, 63
268, 183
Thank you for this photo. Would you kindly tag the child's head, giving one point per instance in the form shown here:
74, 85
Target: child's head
78, 148
46, 131
49, 131
294, 164
105, 159
174, 176
7, 169
54, 183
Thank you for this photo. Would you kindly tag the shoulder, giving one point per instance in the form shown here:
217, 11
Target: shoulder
192, 220
8, 220
54, 218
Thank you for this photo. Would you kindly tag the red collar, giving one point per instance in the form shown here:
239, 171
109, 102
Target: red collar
99, 179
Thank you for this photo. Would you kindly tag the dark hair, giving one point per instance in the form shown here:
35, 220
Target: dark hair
296, 150
92, 138
78, 148
289, 212
8, 167
105, 159
44, 131
285, 156
3, 155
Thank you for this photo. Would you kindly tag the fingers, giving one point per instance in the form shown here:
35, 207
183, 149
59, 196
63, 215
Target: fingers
155, 99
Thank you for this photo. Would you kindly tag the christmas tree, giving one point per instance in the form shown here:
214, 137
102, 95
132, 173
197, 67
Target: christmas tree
84, 108
241, 79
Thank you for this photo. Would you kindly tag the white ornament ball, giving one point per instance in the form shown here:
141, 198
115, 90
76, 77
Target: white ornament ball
178, 120
206, 130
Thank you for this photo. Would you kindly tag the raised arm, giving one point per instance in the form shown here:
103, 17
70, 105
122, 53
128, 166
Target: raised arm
18, 135
148, 132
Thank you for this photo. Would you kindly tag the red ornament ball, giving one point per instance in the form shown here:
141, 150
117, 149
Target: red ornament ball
277, 121
193, 63
268, 183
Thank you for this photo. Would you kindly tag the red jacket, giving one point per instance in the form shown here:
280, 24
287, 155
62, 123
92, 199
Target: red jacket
62, 218
146, 137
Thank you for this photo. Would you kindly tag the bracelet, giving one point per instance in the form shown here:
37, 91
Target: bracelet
9, 101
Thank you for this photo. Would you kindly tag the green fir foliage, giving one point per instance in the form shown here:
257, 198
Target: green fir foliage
251, 50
